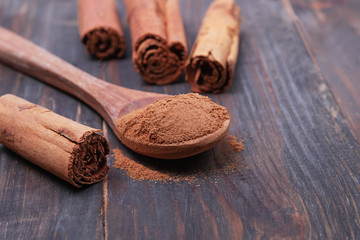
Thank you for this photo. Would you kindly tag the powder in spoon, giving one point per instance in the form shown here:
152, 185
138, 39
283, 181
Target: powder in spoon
172, 120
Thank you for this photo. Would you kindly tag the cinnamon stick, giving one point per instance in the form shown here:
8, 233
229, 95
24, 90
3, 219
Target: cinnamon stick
100, 29
213, 57
158, 39
69, 150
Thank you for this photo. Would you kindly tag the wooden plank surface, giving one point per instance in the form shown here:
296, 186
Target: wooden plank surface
331, 30
296, 111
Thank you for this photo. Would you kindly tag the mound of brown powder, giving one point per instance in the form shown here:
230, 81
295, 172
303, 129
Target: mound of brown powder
136, 170
173, 120
234, 143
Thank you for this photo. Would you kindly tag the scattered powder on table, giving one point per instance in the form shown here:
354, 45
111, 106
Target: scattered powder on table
178, 170
141, 172
136, 170
167, 121
234, 143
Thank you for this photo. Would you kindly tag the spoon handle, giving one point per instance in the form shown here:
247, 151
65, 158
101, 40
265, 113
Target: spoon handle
109, 100
23, 55
33, 60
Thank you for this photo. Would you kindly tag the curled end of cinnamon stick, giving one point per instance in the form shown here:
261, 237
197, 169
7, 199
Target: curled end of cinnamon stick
157, 61
213, 57
89, 160
104, 42
207, 75
100, 29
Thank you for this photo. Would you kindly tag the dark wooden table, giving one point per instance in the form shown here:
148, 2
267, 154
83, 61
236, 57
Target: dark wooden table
295, 101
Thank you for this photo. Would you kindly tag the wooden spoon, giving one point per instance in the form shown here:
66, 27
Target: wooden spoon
109, 100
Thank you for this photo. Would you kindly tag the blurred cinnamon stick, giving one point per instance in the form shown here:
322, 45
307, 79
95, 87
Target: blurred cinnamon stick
213, 57
100, 29
158, 39
69, 150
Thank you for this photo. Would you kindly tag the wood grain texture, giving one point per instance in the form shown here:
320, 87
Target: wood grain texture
332, 31
300, 178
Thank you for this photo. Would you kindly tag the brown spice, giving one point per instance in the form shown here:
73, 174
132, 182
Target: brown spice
190, 170
235, 144
136, 170
158, 39
173, 120
74, 152
213, 58
100, 29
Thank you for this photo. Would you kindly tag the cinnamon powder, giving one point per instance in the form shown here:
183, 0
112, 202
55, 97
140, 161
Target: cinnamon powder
235, 144
188, 169
136, 170
175, 120
167, 120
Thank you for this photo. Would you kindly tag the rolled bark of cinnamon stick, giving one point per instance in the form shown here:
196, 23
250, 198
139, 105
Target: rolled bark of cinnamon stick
69, 150
100, 29
158, 39
213, 57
